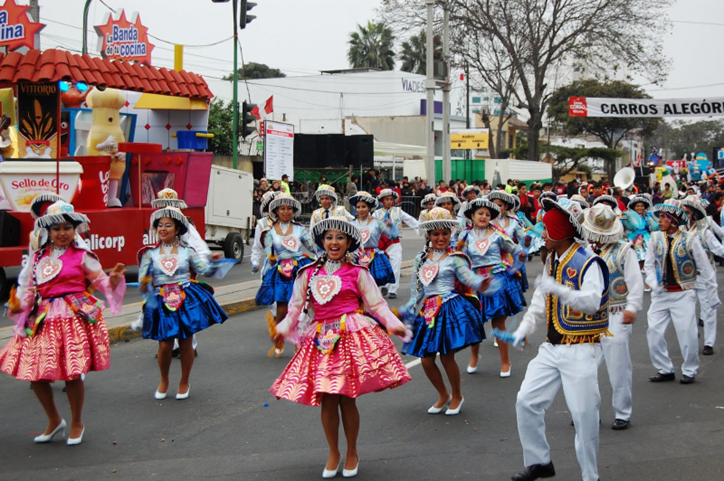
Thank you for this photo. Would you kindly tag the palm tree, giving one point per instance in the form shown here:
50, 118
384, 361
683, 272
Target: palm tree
414, 53
371, 47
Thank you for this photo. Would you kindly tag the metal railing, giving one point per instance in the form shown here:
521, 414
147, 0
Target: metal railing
309, 203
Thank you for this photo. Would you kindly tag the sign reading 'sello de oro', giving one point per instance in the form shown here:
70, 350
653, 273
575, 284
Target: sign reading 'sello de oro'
17, 29
125, 39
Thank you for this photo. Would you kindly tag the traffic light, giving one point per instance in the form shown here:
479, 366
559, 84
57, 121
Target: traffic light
248, 120
245, 7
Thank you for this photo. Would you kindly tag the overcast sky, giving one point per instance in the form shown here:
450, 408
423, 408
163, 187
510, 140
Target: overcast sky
302, 37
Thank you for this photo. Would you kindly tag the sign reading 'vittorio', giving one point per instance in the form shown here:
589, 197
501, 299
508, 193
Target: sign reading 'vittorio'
604, 107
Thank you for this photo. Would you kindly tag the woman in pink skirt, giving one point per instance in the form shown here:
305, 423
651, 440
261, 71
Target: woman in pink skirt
60, 333
343, 352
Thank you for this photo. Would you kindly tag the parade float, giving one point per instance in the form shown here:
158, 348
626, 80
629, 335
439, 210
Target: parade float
106, 133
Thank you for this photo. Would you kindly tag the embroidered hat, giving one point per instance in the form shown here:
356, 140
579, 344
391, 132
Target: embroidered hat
573, 214
601, 225
341, 224
504, 196
439, 218
366, 197
386, 193
168, 198
581, 200
172, 213
695, 207
41, 202
672, 208
266, 199
516, 203
470, 188
328, 191
447, 197
548, 195
60, 212
476, 204
283, 199
642, 198
431, 197
607, 199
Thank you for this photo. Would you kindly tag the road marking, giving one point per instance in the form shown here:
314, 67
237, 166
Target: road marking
417, 361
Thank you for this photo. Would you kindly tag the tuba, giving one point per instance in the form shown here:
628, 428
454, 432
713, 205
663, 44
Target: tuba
624, 178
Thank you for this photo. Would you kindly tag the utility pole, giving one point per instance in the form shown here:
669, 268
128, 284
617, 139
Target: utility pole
467, 102
430, 87
235, 82
446, 163
34, 12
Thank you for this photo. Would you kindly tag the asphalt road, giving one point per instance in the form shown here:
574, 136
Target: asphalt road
232, 428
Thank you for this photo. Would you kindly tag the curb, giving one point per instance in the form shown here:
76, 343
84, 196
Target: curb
124, 333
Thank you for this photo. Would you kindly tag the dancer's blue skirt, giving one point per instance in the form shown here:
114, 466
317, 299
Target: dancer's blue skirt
381, 269
276, 287
506, 301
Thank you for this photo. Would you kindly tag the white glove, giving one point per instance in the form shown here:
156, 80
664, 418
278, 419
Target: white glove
549, 286
137, 325
519, 337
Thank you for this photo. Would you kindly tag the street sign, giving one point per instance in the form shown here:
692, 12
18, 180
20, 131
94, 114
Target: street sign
469, 139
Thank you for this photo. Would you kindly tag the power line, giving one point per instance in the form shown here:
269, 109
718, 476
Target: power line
688, 88
692, 22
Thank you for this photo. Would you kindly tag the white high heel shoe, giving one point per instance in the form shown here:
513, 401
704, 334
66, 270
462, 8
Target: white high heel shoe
330, 473
78, 440
456, 411
159, 395
46, 438
435, 410
506, 374
181, 397
351, 473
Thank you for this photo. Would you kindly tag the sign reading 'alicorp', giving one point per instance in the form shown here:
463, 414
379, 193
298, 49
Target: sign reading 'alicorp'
16, 28
606, 107
125, 39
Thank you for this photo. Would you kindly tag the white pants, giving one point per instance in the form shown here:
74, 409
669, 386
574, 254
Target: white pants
679, 308
618, 363
394, 252
194, 342
707, 315
575, 367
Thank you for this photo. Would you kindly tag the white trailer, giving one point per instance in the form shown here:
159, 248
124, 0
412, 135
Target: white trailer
229, 213
522, 170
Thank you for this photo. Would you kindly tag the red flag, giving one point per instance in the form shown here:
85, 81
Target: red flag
255, 112
269, 105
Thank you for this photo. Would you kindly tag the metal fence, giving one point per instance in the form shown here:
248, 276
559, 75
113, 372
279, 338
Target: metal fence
411, 205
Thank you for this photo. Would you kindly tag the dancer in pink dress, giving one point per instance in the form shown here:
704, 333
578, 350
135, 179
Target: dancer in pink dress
60, 333
343, 353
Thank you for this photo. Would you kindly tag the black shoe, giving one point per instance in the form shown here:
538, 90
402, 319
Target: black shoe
392, 296
662, 377
701, 323
175, 353
620, 424
707, 351
686, 379
384, 291
196, 353
534, 472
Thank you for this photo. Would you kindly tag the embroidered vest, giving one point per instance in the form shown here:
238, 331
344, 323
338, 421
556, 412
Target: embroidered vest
681, 260
615, 258
571, 324
699, 232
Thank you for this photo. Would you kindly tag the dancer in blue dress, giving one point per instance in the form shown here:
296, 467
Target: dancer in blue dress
510, 224
451, 203
446, 322
371, 229
282, 242
484, 244
176, 306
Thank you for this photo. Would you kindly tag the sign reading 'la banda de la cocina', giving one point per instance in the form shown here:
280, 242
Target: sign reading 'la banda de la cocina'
125, 40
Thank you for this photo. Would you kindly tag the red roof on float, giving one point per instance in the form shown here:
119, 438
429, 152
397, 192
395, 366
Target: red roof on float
53, 65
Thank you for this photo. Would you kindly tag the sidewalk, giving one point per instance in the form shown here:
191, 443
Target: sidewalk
234, 299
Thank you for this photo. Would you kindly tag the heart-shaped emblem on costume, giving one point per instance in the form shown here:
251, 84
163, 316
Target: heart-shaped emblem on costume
290, 243
168, 264
571, 272
48, 268
428, 273
482, 245
324, 288
365, 233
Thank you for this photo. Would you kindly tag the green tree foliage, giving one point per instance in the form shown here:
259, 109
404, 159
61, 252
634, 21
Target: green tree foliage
679, 137
413, 53
371, 47
221, 124
254, 70
610, 131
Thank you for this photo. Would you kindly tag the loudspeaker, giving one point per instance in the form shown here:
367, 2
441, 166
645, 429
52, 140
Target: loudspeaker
360, 151
335, 155
9, 230
333, 150
305, 151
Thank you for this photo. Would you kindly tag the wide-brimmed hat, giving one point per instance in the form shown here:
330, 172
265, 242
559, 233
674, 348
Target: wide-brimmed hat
447, 196
548, 195
266, 199
431, 197
340, 224
172, 213
572, 209
476, 204
581, 200
601, 225
386, 193
168, 198
672, 208
60, 212
470, 188
697, 210
439, 218
607, 199
326, 190
366, 197
504, 196
633, 200
284, 199
41, 202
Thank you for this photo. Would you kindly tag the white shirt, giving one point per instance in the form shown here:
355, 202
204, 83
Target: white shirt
334, 210
634, 282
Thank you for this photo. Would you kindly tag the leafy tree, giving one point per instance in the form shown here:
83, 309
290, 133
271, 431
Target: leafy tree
254, 70
413, 53
679, 138
569, 159
371, 47
221, 124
